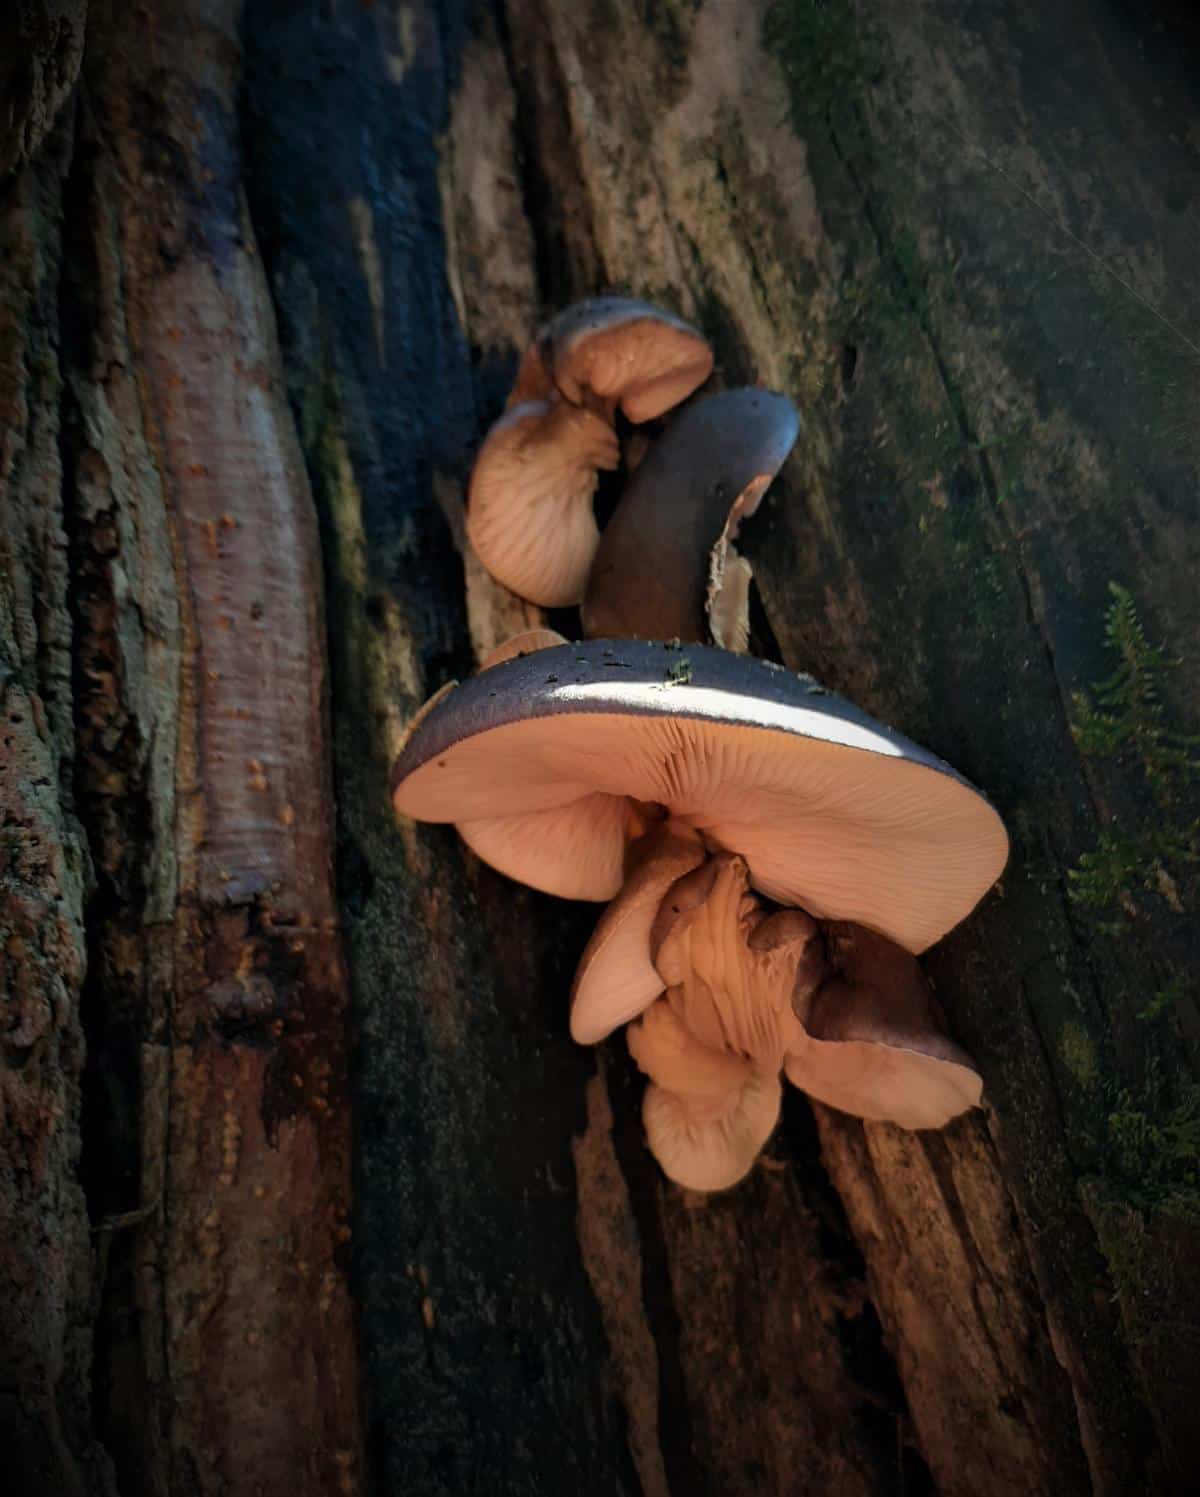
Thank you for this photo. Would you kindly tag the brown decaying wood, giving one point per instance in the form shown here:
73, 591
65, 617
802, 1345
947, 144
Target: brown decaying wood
45, 1252
255, 1387
897, 556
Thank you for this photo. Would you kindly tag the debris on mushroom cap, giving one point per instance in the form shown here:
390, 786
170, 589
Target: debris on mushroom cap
616, 979
525, 643
540, 759
529, 511
872, 1043
614, 349
661, 562
707, 1113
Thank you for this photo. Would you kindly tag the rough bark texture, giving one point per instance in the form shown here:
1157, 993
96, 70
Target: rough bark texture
216, 1128
278, 253
41, 47
45, 1262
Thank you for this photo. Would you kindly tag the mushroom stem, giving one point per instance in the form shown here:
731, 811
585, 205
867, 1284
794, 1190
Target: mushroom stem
661, 563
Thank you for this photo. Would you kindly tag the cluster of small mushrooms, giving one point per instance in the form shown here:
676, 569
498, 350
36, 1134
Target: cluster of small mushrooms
774, 858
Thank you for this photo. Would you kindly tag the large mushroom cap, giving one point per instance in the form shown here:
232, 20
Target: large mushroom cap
620, 351
832, 810
654, 568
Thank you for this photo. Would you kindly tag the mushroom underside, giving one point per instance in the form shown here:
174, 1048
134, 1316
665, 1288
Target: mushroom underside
616, 979
526, 643
843, 832
529, 511
749, 991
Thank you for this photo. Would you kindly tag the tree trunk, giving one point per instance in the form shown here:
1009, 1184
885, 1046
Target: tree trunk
266, 272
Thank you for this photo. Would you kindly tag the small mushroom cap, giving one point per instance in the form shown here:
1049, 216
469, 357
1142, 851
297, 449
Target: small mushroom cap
654, 574
525, 643
707, 1113
833, 811
619, 350
616, 980
711, 1153
529, 512
874, 1046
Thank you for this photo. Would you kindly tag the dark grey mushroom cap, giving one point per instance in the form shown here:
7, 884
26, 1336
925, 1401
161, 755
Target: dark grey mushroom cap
872, 1042
651, 575
539, 761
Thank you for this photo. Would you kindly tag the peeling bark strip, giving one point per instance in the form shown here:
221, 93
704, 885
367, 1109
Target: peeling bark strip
258, 1392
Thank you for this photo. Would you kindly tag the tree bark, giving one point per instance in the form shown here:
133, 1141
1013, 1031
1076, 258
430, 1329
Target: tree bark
267, 273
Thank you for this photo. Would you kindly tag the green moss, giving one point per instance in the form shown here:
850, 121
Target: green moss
1123, 721
1078, 1053
1147, 1147
1007, 452
1164, 359
1163, 1001
827, 57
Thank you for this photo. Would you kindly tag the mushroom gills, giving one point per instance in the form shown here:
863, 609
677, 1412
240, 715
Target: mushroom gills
529, 510
576, 851
833, 812
735, 972
616, 980
714, 1043
707, 1114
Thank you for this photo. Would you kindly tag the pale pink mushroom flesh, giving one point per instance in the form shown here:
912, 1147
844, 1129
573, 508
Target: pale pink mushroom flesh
714, 1043
833, 812
553, 764
525, 643
614, 350
529, 515
707, 1113
529, 511
615, 979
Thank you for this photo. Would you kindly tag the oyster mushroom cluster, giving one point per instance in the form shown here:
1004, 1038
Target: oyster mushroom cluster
774, 858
